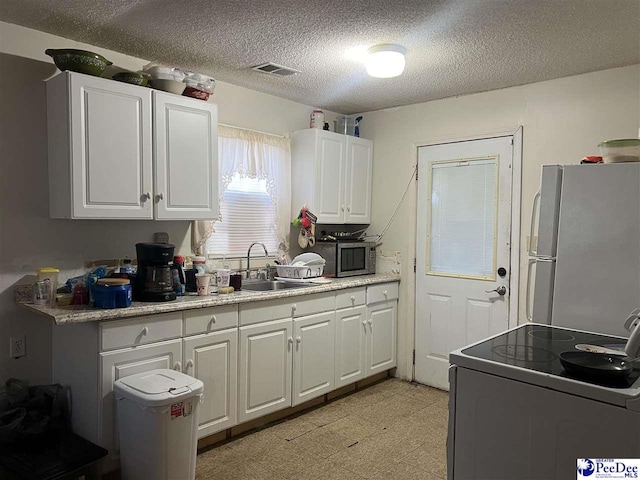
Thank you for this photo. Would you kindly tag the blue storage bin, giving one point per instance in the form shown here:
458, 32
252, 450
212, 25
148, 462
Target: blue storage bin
112, 295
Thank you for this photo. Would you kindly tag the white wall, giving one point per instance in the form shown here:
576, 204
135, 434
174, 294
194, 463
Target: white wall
28, 237
563, 121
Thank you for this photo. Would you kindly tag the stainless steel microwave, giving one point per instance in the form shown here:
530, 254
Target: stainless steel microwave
346, 259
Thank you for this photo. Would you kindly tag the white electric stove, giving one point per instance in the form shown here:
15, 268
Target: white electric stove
516, 414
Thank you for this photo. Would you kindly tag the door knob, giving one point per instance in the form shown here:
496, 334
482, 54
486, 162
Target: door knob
501, 290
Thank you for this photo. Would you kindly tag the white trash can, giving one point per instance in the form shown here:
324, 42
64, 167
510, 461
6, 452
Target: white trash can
158, 424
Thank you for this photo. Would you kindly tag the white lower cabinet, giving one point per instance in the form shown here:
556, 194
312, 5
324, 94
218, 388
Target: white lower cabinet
381, 337
265, 368
313, 359
213, 359
350, 357
249, 371
118, 364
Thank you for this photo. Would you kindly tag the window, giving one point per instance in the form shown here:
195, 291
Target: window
462, 234
248, 214
255, 195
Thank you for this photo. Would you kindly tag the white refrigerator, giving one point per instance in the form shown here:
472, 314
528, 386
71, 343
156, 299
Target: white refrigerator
584, 269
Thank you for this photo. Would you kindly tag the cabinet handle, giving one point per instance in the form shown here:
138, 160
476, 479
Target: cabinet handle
298, 342
348, 208
364, 324
290, 342
146, 196
145, 331
212, 320
342, 208
371, 325
159, 196
189, 364
177, 367
293, 307
384, 293
353, 298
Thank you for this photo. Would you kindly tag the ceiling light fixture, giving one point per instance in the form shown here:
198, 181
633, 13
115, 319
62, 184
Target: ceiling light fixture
385, 61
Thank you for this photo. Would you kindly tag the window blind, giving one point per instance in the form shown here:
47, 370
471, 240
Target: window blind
248, 215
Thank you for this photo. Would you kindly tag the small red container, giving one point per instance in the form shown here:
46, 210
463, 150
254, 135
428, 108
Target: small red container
195, 92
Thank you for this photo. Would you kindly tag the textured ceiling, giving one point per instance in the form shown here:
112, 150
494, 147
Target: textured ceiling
453, 47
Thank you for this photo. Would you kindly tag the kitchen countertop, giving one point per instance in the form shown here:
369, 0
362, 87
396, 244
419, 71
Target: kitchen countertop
84, 313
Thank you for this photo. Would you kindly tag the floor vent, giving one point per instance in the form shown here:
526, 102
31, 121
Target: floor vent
274, 69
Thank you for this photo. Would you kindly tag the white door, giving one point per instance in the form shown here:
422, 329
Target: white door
359, 173
111, 149
313, 359
329, 178
265, 368
122, 363
381, 337
462, 249
186, 155
351, 326
213, 359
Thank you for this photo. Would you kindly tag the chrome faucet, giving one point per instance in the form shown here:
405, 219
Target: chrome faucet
266, 254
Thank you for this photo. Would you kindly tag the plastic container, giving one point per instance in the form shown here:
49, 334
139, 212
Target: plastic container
202, 282
50, 276
163, 78
222, 277
127, 267
158, 424
620, 151
41, 293
112, 293
200, 264
346, 125
317, 119
198, 86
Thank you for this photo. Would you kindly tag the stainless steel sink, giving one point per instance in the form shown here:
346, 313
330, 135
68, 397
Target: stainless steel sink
267, 286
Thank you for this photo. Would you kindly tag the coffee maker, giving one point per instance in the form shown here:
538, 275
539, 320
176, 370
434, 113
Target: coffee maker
154, 282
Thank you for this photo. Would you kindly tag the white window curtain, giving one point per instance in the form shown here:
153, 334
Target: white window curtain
255, 155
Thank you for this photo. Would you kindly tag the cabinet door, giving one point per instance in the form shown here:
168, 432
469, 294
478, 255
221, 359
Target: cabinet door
351, 327
381, 337
265, 368
186, 156
359, 171
313, 360
122, 363
328, 202
111, 149
213, 358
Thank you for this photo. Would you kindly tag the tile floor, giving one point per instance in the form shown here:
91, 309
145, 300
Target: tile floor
390, 430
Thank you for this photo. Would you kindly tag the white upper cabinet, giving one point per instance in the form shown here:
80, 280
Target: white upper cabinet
359, 179
332, 174
329, 169
116, 150
99, 148
185, 133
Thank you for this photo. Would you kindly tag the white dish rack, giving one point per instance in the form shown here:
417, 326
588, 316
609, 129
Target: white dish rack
293, 271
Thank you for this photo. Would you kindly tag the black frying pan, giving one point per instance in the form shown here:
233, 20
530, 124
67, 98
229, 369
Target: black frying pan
596, 366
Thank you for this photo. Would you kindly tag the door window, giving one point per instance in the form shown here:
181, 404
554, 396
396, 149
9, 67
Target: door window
461, 218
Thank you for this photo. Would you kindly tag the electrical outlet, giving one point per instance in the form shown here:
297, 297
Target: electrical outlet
161, 237
18, 346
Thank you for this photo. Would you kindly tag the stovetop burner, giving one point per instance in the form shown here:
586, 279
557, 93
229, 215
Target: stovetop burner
523, 353
556, 335
537, 347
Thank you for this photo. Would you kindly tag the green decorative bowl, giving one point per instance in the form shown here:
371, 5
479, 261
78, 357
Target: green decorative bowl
80, 61
135, 78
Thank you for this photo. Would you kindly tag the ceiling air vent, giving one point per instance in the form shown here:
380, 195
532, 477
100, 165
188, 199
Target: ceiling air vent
275, 69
